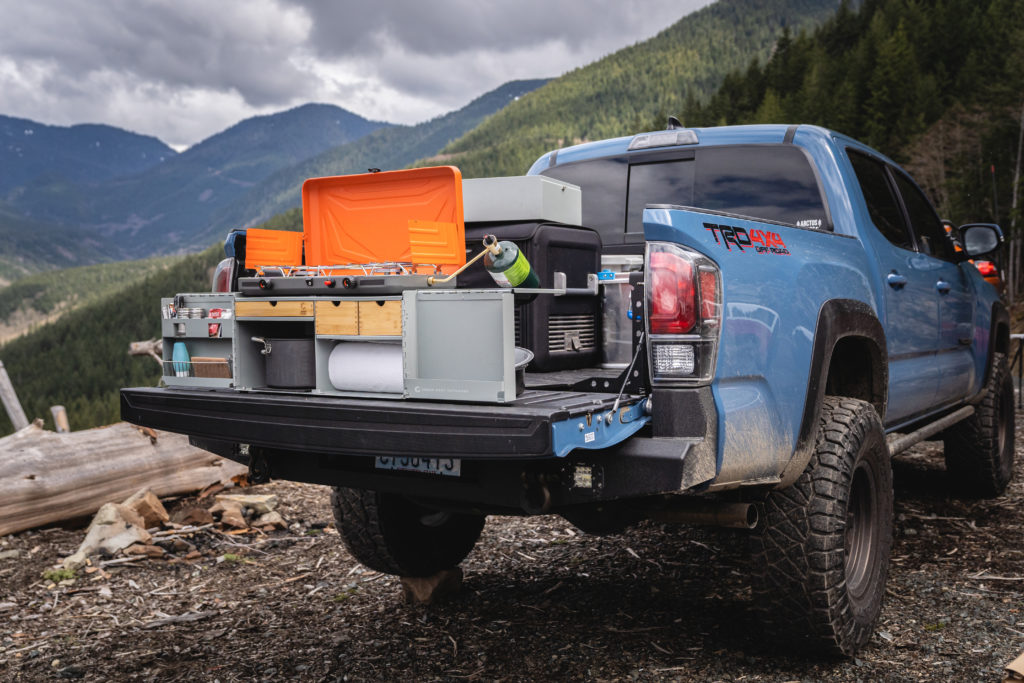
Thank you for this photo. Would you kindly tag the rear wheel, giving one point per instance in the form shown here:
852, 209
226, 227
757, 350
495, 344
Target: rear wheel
391, 534
980, 450
823, 549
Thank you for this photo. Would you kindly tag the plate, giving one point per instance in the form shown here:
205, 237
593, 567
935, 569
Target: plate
449, 467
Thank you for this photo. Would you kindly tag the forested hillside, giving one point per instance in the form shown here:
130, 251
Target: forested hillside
28, 246
633, 89
936, 84
30, 300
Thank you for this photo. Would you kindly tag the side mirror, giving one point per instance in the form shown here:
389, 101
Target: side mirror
980, 239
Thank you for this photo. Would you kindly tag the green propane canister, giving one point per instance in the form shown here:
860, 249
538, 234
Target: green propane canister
507, 264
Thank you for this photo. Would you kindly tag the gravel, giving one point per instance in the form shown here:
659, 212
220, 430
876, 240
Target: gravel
540, 600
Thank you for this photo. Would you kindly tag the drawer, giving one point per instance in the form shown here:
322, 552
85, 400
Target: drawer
359, 318
274, 309
380, 319
337, 317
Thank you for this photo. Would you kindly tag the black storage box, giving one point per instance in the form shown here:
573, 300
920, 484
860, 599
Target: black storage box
564, 332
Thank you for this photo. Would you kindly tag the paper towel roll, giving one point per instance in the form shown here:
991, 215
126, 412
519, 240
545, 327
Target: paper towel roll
366, 366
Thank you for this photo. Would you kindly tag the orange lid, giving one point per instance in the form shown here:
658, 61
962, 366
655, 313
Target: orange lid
272, 248
413, 215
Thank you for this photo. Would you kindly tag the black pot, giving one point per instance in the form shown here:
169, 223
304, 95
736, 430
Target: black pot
290, 363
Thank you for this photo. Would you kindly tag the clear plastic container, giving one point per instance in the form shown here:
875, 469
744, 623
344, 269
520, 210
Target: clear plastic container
616, 295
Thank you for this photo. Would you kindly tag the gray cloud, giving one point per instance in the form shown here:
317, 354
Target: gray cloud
445, 27
245, 46
184, 69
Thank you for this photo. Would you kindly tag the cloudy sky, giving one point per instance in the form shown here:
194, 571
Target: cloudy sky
184, 69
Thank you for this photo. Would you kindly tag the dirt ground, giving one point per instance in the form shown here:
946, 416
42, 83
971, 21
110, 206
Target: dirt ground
540, 601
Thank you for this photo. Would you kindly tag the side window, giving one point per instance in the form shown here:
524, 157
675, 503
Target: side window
883, 207
923, 219
772, 182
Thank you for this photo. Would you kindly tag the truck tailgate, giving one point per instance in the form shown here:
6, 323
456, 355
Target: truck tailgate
537, 424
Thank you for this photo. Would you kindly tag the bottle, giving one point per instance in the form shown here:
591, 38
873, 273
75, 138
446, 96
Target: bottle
182, 363
509, 267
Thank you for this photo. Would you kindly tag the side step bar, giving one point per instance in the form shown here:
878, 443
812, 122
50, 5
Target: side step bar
900, 442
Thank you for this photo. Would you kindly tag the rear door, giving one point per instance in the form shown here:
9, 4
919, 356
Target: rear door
911, 305
952, 291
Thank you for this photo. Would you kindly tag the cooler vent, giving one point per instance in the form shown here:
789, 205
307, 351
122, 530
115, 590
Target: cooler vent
571, 333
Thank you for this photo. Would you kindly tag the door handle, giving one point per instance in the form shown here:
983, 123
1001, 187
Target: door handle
964, 334
942, 286
895, 280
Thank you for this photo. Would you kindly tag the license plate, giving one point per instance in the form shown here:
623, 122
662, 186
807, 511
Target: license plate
450, 467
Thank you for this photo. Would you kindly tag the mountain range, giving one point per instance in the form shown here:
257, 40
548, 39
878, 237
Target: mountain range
388, 148
35, 152
182, 202
160, 208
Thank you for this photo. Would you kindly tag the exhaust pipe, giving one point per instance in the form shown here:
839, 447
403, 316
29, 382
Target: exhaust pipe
707, 513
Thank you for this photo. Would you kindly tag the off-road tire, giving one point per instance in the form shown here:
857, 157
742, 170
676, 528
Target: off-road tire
980, 449
391, 534
823, 547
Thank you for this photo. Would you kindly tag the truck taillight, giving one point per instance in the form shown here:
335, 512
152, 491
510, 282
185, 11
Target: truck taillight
985, 268
673, 302
684, 303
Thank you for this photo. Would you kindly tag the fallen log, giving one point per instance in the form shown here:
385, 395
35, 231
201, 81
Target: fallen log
47, 477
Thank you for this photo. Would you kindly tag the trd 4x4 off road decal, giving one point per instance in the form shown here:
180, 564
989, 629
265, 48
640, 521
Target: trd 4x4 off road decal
761, 241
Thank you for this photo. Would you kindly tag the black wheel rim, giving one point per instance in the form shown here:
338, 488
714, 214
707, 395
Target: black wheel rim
861, 532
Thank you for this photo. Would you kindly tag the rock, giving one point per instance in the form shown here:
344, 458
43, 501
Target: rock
10, 554
132, 517
113, 528
118, 517
432, 589
258, 503
231, 513
149, 507
234, 517
111, 513
153, 551
273, 520
193, 516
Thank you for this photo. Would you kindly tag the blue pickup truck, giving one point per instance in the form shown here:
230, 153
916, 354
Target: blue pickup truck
740, 327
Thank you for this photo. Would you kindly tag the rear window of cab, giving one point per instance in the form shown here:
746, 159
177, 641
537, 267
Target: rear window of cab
774, 183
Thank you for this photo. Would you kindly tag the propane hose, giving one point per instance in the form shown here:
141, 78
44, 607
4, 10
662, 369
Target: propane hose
490, 243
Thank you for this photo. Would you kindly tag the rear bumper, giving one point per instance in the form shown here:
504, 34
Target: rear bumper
507, 451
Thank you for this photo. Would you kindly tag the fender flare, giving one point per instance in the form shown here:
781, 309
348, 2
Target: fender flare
1000, 316
837, 320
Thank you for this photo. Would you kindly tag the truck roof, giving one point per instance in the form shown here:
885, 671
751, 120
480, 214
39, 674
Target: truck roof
706, 137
